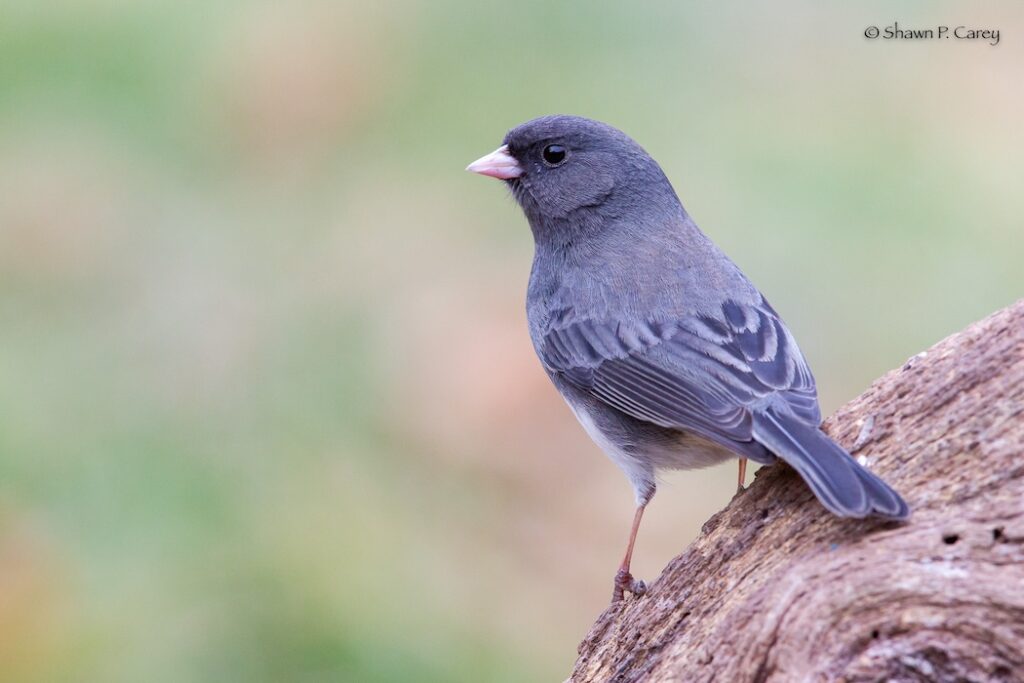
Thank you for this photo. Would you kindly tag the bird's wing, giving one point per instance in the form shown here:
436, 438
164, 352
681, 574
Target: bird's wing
702, 373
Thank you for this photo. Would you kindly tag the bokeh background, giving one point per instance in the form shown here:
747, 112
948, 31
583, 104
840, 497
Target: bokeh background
268, 408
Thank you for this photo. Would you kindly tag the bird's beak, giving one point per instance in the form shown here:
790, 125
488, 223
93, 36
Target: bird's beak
498, 164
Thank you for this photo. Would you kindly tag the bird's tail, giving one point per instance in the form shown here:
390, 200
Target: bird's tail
842, 485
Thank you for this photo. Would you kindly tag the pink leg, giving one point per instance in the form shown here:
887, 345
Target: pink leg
743, 474
624, 581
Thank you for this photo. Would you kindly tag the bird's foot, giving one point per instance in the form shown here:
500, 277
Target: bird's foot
624, 582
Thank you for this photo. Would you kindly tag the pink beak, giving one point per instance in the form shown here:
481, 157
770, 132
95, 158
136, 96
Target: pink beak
498, 164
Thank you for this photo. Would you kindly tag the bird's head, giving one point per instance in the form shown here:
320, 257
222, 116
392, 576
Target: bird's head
557, 166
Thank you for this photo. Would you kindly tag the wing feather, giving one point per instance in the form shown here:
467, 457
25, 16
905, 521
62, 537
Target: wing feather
703, 373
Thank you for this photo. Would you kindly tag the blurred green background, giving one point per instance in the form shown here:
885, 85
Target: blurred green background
268, 408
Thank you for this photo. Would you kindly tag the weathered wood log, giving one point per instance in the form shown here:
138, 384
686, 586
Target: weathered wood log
777, 589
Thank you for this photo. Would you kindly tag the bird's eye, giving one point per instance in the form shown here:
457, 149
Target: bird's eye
554, 155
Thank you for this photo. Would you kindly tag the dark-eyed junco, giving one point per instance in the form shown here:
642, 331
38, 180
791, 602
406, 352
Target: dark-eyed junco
667, 354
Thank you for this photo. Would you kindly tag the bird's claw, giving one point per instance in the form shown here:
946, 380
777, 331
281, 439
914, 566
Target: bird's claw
624, 582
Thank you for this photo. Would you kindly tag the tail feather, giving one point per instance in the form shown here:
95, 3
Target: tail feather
842, 485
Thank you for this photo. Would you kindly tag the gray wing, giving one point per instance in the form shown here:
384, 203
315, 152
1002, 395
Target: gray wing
705, 374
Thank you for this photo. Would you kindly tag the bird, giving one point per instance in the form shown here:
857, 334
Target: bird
667, 354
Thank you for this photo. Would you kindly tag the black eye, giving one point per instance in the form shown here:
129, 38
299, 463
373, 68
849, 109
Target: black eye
553, 155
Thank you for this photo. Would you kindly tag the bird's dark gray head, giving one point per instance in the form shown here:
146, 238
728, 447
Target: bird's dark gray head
568, 168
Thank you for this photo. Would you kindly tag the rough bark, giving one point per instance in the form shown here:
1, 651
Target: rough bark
776, 589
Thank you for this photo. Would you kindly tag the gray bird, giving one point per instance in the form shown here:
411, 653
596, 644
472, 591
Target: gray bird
667, 354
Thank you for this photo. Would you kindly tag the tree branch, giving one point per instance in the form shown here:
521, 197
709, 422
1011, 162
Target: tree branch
777, 589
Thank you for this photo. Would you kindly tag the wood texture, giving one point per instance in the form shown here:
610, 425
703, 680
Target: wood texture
777, 589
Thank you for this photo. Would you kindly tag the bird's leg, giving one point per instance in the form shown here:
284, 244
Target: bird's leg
624, 581
743, 475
